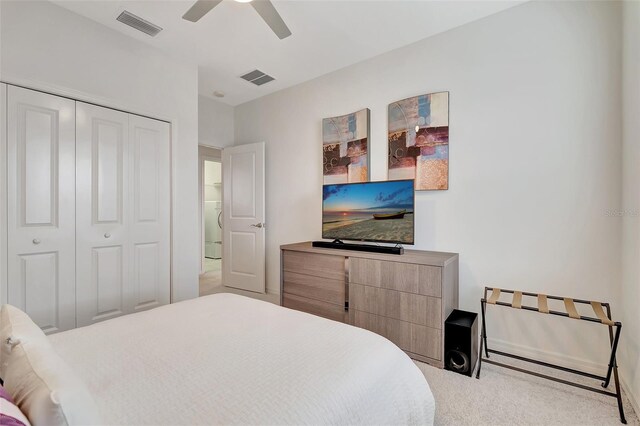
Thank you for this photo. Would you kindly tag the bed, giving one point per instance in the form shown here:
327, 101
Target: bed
228, 359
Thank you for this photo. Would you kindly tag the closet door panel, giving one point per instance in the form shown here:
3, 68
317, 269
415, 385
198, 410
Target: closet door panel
3, 193
40, 285
41, 207
102, 252
150, 212
146, 275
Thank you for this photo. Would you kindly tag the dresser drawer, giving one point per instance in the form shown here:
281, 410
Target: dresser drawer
313, 287
319, 265
316, 307
413, 338
413, 308
407, 277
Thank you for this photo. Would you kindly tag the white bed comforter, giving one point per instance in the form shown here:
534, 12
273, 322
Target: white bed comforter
227, 359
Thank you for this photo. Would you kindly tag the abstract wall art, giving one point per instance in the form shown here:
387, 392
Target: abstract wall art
419, 141
345, 148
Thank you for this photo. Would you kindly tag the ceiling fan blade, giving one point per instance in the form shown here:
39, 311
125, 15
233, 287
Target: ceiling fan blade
271, 16
199, 9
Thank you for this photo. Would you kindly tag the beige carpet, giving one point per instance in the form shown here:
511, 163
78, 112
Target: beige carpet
211, 279
506, 397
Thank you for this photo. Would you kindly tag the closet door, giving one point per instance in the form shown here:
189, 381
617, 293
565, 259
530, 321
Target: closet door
41, 207
3, 193
102, 249
149, 153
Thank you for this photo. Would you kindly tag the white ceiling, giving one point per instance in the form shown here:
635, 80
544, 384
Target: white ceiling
232, 39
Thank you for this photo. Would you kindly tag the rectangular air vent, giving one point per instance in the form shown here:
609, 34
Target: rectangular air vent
257, 77
138, 23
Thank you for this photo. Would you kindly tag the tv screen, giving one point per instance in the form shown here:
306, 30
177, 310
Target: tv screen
369, 211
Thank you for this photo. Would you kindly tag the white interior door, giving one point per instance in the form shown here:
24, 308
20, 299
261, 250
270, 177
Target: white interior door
41, 207
150, 207
243, 240
102, 199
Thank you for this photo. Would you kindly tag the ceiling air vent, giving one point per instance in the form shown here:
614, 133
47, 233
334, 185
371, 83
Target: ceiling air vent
138, 23
257, 77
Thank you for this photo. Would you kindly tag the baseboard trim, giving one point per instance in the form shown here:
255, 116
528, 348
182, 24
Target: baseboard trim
633, 399
548, 356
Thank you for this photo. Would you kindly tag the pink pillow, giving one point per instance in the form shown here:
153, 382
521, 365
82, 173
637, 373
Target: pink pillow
10, 414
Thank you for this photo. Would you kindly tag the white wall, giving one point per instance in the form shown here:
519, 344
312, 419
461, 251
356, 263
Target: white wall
535, 159
630, 213
45, 46
215, 123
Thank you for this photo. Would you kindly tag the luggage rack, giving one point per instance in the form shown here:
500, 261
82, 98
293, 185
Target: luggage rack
571, 312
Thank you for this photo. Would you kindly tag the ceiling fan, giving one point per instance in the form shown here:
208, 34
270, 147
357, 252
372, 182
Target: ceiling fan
264, 8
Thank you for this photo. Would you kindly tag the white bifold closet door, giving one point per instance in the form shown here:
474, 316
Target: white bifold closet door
102, 257
3, 193
41, 192
123, 206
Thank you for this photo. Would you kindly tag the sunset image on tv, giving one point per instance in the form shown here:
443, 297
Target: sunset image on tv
372, 211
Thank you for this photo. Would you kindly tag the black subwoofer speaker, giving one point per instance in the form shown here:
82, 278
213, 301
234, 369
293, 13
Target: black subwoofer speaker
461, 342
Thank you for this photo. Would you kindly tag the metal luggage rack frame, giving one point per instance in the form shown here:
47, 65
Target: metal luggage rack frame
571, 312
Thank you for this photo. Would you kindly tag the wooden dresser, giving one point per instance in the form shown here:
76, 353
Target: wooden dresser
406, 298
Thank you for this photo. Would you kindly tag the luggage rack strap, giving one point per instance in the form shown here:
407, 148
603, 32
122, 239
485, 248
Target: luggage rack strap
543, 306
495, 295
570, 307
597, 308
517, 300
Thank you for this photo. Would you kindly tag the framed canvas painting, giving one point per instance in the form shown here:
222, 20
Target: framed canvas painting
418, 137
345, 148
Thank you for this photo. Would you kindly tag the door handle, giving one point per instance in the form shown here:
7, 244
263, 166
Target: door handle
107, 235
258, 225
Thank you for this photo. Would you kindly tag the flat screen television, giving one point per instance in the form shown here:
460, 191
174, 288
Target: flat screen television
369, 211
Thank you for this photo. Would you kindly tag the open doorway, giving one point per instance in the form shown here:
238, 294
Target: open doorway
210, 168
